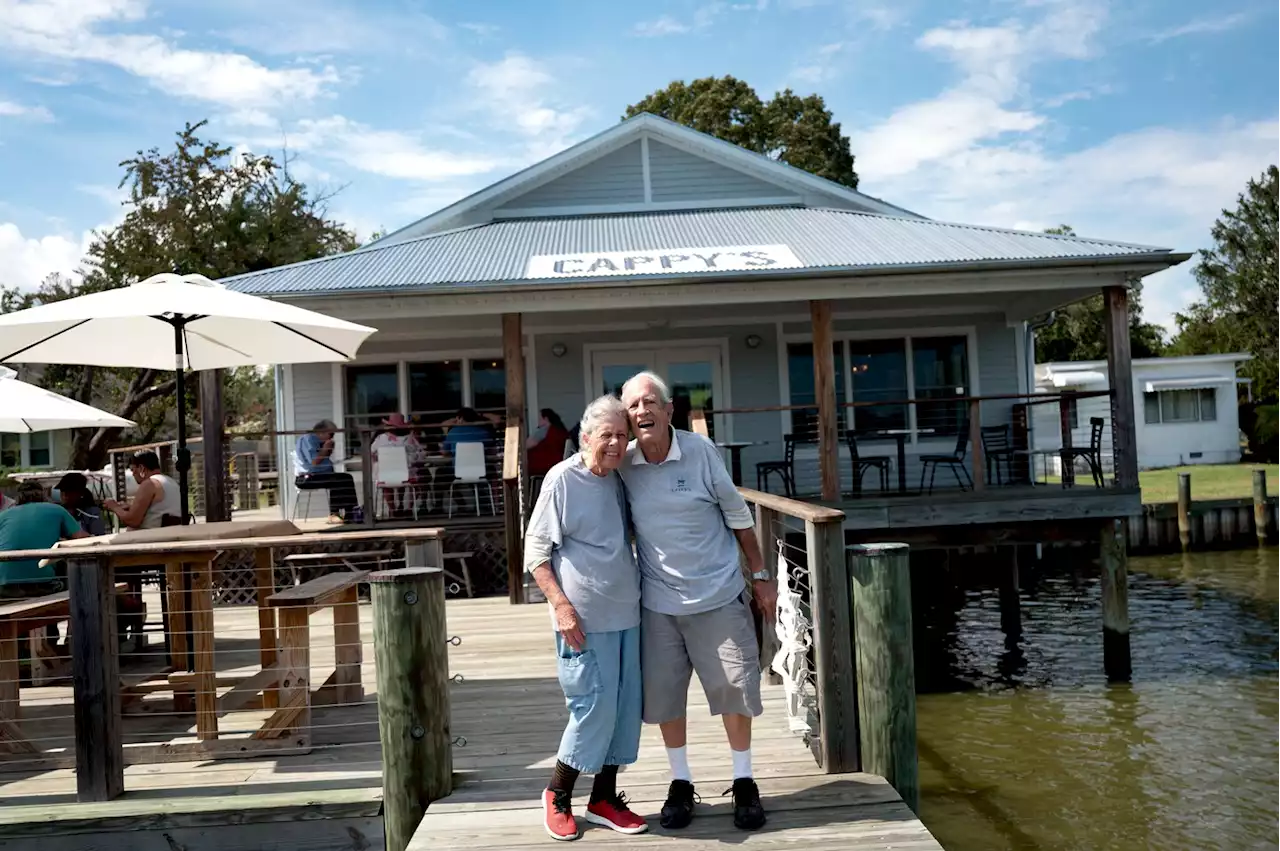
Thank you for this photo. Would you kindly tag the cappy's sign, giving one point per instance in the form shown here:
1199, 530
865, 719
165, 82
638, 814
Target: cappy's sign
662, 261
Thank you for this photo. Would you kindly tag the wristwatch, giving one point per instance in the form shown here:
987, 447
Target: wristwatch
762, 576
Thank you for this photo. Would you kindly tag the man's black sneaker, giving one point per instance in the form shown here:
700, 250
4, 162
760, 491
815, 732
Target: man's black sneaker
677, 812
748, 812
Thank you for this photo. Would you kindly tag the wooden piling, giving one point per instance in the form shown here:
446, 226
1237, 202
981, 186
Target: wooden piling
412, 662
767, 535
1184, 510
1209, 527
832, 633
95, 679
1260, 505
1010, 605
1114, 561
880, 576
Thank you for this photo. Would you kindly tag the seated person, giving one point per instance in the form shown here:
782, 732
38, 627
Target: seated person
468, 427
73, 491
32, 524
313, 468
396, 432
546, 444
157, 496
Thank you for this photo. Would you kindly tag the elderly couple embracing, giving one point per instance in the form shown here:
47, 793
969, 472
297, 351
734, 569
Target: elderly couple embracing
630, 636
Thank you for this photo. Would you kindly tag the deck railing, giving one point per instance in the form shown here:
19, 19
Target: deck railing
996, 440
809, 649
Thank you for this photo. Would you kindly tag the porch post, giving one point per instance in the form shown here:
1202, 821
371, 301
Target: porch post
824, 386
514, 469
214, 470
1124, 433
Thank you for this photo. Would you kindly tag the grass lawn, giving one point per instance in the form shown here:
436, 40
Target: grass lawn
1208, 481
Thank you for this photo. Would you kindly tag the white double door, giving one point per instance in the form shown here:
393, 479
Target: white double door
693, 373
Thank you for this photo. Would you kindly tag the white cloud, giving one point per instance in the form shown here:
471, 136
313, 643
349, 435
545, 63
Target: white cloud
9, 109
70, 30
515, 91
665, 25
821, 64
29, 260
1201, 26
388, 153
702, 18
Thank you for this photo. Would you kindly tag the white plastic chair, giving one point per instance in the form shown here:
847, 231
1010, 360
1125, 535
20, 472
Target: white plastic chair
393, 472
469, 469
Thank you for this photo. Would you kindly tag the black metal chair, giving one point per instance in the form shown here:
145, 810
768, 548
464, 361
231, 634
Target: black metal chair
955, 461
997, 448
785, 469
1092, 455
861, 465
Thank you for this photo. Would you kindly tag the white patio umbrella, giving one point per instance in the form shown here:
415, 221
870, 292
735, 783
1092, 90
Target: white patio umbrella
176, 322
26, 408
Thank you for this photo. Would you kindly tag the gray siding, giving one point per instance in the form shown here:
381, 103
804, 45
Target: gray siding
615, 178
675, 175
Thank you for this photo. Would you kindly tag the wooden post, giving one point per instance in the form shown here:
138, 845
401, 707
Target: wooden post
201, 573
1064, 420
975, 438
1124, 429
832, 634
1010, 604
412, 663
367, 482
515, 471
1115, 603
767, 535
1184, 510
264, 576
881, 580
346, 648
824, 386
425, 552
95, 679
212, 434
1260, 505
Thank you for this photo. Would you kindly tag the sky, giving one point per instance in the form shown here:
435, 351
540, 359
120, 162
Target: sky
1136, 121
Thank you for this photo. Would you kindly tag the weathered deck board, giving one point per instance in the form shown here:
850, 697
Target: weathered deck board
510, 710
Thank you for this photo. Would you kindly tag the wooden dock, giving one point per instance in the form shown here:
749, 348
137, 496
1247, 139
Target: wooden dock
508, 708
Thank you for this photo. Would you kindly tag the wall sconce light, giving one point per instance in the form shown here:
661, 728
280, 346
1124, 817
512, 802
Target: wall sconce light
559, 349
753, 341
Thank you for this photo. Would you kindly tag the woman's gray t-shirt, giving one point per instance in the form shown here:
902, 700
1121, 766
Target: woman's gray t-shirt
584, 519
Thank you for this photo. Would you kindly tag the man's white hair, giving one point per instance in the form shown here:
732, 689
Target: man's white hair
599, 412
652, 379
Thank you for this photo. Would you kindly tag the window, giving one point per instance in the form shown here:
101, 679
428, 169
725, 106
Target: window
878, 372
886, 371
372, 393
489, 385
435, 388
1180, 406
11, 451
1073, 414
804, 421
38, 449
941, 367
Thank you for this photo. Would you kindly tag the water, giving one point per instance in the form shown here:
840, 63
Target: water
1024, 746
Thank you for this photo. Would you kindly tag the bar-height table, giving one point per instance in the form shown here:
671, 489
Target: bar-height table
900, 435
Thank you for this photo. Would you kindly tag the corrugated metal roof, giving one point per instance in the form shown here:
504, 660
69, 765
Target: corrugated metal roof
822, 239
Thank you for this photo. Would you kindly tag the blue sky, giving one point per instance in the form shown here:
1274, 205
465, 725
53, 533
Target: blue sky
1134, 121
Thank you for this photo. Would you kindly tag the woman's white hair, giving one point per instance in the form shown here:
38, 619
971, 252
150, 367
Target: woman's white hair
651, 378
600, 411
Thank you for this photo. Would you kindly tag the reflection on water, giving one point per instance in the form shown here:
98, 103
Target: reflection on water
1023, 745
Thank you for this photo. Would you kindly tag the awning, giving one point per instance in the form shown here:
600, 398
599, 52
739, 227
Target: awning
1078, 378
1190, 382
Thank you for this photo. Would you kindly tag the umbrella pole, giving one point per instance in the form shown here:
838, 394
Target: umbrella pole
184, 457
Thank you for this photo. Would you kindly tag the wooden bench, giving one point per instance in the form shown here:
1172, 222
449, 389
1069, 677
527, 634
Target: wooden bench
354, 561
33, 616
292, 671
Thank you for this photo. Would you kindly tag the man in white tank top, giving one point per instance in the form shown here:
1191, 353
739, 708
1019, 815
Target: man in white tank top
156, 497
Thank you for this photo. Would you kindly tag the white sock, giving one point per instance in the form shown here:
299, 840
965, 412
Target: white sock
741, 763
679, 760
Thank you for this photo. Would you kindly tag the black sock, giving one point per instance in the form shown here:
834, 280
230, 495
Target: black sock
605, 785
563, 778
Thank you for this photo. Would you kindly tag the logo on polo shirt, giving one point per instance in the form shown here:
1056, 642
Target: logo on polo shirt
681, 486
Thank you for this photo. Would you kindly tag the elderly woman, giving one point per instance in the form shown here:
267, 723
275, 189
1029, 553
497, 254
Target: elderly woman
579, 551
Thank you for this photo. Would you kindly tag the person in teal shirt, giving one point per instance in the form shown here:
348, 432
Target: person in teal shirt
32, 524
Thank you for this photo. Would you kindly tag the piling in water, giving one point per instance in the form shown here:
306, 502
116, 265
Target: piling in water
1260, 505
1184, 510
1114, 561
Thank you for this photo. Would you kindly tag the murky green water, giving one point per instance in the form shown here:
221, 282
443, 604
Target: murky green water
1025, 746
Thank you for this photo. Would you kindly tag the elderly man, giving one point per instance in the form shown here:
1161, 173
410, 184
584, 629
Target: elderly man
313, 466
690, 522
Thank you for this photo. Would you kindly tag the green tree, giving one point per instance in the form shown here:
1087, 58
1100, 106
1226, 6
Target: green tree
194, 209
796, 130
1079, 330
